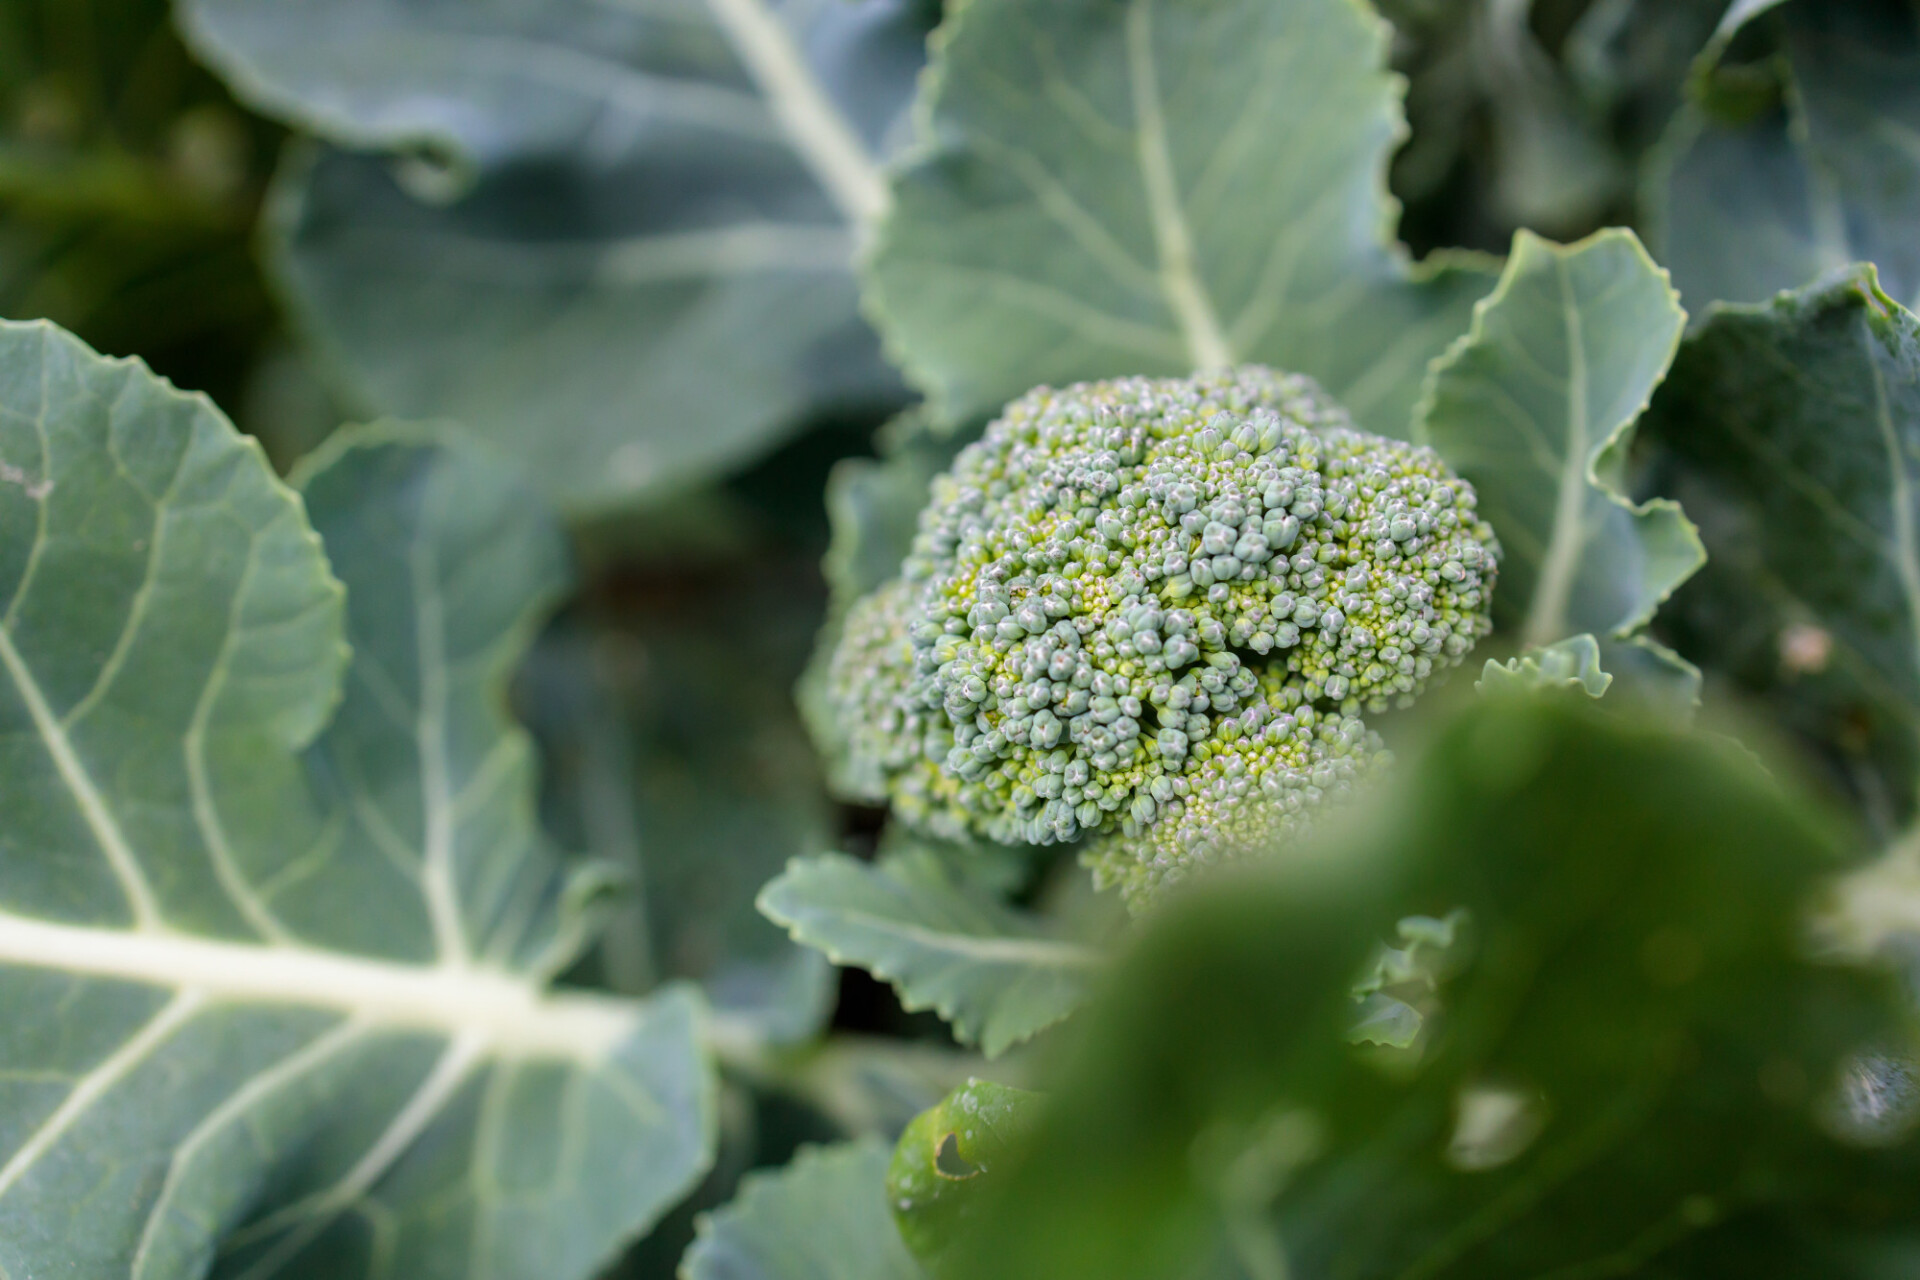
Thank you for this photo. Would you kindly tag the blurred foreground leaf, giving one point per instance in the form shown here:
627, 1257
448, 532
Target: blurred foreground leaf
1632, 1069
273, 1012
947, 1158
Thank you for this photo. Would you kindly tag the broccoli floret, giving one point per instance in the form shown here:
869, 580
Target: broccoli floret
1252, 793
1140, 607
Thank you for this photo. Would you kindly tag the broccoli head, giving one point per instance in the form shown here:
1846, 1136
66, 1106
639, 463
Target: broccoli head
1154, 610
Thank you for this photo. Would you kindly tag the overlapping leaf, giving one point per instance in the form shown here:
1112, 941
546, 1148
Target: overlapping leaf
995, 974
271, 1014
1537, 407
1765, 186
1154, 186
632, 263
1635, 1070
825, 1214
1794, 430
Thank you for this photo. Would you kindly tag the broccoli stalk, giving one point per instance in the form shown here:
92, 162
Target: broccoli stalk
1152, 611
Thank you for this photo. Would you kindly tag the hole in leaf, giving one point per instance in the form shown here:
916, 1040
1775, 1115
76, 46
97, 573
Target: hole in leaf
949, 1163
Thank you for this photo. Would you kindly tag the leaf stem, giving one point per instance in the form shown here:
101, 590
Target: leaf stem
825, 140
1547, 617
1179, 263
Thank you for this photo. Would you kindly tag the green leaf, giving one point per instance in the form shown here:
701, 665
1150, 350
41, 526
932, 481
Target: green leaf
677, 756
1793, 431
1100, 189
275, 1012
1634, 1067
630, 265
825, 1214
1564, 665
1536, 406
1823, 177
947, 1157
992, 972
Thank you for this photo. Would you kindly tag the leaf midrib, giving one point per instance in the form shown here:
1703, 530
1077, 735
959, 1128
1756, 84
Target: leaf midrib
1042, 952
1547, 618
509, 1010
799, 103
1186, 294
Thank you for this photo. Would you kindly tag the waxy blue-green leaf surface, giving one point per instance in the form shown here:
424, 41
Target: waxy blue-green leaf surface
1794, 435
1536, 407
1154, 186
995, 973
823, 1215
1752, 198
632, 264
274, 987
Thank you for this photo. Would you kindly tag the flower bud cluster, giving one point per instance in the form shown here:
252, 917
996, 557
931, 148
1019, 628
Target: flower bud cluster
1134, 605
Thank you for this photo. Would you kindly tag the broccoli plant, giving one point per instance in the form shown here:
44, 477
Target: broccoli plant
900, 640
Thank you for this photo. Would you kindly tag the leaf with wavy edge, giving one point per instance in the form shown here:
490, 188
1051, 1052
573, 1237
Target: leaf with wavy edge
1536, 406
824, 1214
638, 271
274, 1014
1101, 188
1569, 664
987, 969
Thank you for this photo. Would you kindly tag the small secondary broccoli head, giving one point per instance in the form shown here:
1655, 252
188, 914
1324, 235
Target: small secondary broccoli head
1124, 581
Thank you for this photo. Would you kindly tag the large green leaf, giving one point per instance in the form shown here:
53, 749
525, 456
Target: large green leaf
1536, 406
634, 265
1794, 435
1764, 187
824, 1215
1153, 186
1630, 1066
271, 1013
996, 974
